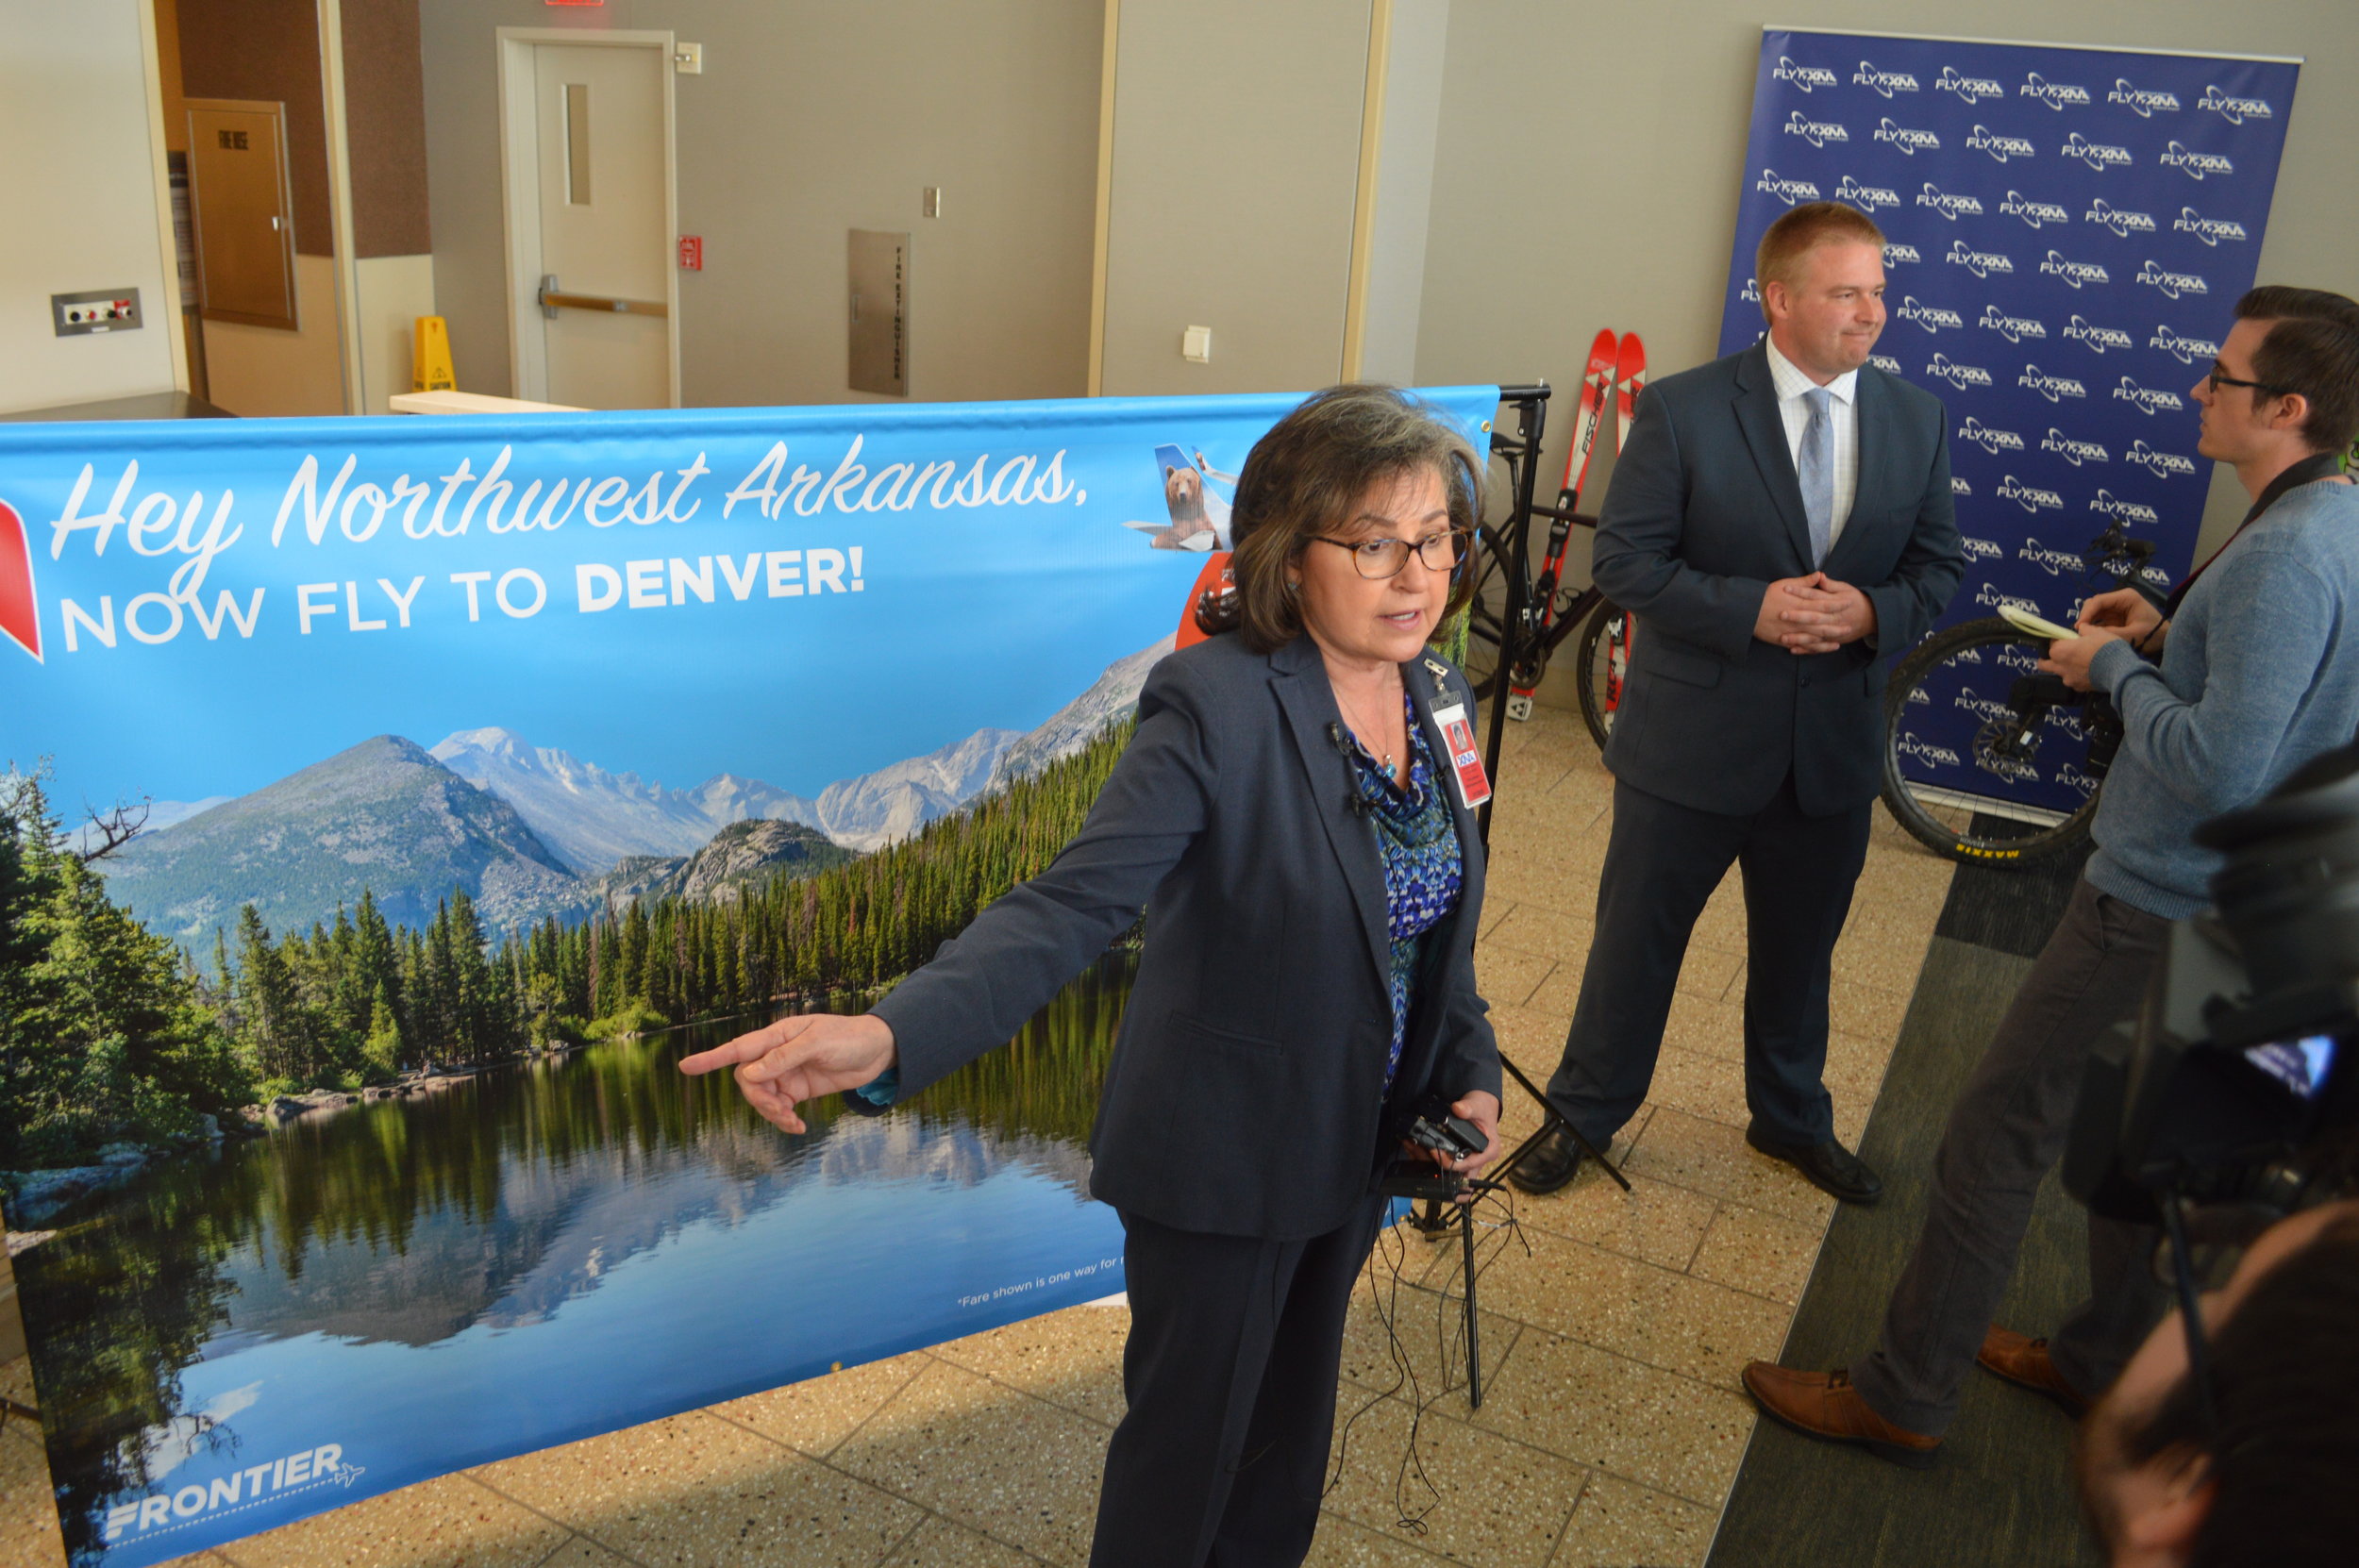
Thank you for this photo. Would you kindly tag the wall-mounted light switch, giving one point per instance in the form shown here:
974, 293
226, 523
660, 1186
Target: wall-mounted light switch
688, 58
1196, 344
95, 311
931, 206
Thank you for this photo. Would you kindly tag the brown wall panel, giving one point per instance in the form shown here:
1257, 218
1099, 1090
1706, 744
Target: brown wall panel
268, 49
385, 112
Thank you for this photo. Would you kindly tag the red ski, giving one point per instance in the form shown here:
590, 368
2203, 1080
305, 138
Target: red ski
1630, 379
1596, 381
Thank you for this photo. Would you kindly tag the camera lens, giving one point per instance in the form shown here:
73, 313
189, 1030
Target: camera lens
2289, 892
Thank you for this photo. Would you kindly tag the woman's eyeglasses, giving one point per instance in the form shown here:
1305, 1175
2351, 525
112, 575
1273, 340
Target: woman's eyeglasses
1379, 558
2218, 378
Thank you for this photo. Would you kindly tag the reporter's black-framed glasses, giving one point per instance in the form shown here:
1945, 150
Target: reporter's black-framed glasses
1379, 558
2218, 378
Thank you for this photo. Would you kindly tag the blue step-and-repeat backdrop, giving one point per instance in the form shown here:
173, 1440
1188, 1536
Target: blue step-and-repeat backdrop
2068, 232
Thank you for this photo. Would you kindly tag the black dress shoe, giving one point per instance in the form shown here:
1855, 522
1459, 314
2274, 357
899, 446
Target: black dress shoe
1828, 1166
1553, 1163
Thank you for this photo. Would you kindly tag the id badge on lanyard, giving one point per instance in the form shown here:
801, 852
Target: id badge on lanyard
1465, 758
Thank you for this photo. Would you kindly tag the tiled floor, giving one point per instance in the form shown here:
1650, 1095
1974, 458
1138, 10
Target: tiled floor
1615, 1324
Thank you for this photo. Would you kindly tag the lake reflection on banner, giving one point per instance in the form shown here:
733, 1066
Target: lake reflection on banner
402, 1288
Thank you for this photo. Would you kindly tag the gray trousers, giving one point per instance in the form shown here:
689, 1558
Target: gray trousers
2007, 1129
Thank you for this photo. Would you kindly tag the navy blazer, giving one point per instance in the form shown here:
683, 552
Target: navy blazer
1705, 512
1247, 1094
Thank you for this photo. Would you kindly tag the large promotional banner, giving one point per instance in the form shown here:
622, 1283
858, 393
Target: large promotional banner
2069, 230
480, 768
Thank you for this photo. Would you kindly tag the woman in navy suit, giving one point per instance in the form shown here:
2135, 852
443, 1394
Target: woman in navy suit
1311, 879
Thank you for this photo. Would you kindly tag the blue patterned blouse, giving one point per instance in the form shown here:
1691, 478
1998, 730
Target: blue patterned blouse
1423, 867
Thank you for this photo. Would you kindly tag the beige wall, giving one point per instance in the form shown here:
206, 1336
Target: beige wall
82, 192
812, 118
1237, 155
1591, 157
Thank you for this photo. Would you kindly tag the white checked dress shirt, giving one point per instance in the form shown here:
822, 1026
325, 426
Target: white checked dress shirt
1842, 413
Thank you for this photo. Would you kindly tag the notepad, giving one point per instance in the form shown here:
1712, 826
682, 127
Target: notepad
2037, 625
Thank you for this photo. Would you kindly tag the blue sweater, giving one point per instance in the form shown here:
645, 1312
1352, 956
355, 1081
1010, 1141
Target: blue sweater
2259, 675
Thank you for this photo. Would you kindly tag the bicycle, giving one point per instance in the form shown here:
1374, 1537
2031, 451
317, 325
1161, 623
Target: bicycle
1547, 613
1950, 810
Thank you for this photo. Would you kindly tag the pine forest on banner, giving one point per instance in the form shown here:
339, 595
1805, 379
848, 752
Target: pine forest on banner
114, 1032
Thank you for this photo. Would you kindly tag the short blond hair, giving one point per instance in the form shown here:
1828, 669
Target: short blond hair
1796, 234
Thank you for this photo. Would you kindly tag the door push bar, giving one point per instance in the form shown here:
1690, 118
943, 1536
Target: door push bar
552, 301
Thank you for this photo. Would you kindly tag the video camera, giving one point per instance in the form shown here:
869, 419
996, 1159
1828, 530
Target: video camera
2237, 1089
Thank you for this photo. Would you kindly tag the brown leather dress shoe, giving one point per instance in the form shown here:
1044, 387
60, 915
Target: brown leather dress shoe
1824, 1405
2026, 1363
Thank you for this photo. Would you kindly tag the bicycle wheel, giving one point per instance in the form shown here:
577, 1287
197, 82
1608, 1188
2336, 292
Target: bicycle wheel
1604, 664
1980, 777
1486, 616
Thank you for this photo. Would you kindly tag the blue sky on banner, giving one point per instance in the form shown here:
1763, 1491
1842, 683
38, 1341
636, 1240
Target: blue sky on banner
2069, 230
798, 596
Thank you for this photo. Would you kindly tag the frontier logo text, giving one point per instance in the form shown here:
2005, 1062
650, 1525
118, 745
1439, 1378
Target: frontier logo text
312, 1467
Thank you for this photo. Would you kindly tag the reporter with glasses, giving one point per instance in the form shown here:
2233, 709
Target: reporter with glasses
1311, 879
2258, 674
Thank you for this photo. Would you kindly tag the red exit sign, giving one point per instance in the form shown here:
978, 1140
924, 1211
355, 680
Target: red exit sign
691, 253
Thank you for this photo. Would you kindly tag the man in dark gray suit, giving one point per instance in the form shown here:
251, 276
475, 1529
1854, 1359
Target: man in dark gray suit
1779, 523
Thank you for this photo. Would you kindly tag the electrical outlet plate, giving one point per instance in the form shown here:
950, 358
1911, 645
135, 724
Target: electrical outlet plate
1196, 344
688, 58
95, 311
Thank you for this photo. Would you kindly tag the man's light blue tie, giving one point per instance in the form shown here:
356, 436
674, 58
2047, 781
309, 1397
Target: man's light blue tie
1815, 468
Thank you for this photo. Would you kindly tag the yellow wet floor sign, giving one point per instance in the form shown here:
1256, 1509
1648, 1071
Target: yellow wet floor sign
430, 366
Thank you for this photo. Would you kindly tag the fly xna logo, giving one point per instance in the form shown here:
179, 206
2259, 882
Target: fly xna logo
1991, 440
2013, 328
2123, 221
2185, 350
2210, 230
2048, 557
1897, 253
1982, 263
2099, 156
1959, 487
1961, 376
2075, 274
2146, 400
2194, 164
2143, 102
1926, 752
1948, 204
1980, 549
1984, 140
2028, 497
1970, 90
1786, 191
2108, 504
1990, 596
2160, 464
2074, 452
2095, 338
1817, 132
1885, 82
2234, 110
1869, 197
2173, 285
1980, 707
1909, 142
1932, 318
2018, 205
1751, 294
1885, 363
2053, 387
2056, 95
1809, 79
